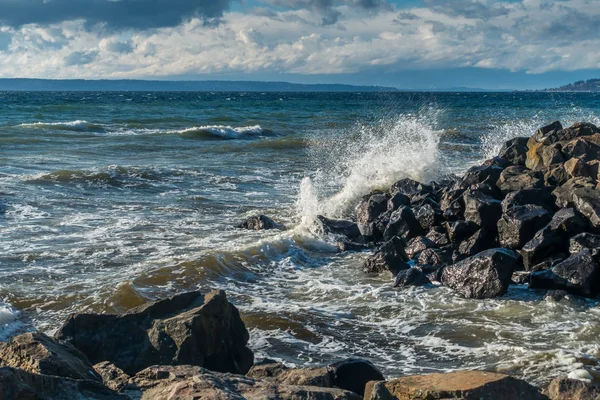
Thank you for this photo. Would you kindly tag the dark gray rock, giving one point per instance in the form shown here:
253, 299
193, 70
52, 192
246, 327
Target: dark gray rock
582, 149
438, 236
371, 207
583, 241
564, 194
391, 256
519, 224
483, 210
428, 217
545, 130
482, 276
515, 150
518, 178
478, 242
460, 230
538, 197
432, 257
398, 200
403, 224
260, 222
587, 202
572, 389
344, 245
411, 277
340, 227
354, 374
409, 187
578, 274
556, 295
479, 174
416, 245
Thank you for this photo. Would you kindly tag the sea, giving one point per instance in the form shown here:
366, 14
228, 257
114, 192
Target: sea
113, 199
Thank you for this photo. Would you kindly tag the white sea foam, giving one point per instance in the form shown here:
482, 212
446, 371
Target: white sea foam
77, 125
224, 131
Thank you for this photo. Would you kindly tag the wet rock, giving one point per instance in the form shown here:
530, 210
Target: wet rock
409, 187
541, 133
438, 237
553, 238
354, 374
416, 245
482, 210
482, 276
583, 241
518, 178
317, 376
40, 354
575, 168
538, 197
190, 328
371, 207
587, 202
266, 368
520, 277
112, 376
515, 150
411, 277
581, 148
391, 256
496, 162
460, 230
466, 385
556, 175
478, 242
577, 130
190, 382
432, 257
17, 384
519, 224
398, 200
578, 274
403, 224
480, 174
450, 196
552, 155
340, 227
549, 262
564, 194
260, 222
428, 217
556, 295
345, 245
572, 389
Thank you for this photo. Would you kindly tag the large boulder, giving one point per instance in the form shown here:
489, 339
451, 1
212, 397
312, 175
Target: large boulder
515, 150
411, 277
587, 202
40, 354
260, 222
553, 238
465, 385
564, 193
538, 197
190, 328
519, 224
390, 256
409, 187
578, 274
583, 241
480, 241
403, 224
482, 276
345, 228
416, 245
353, 374
427, 217
17, 384
479, 174
371, 207
542, 132
460, 230
571, 389
482, 209
582, 148
519, 178
191, 382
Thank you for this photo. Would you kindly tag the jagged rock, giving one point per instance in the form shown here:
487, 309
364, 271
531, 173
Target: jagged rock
354, 374
518, 178
581, 148
340, 227
391, 256
496, 162
533, 160
17, 384
438, 237
317, 376
398, 200
571, 389
190, 382
460, 230
345, 245
482, 276
552, 155
549, 262
482, 210
431, 257
416, 245
260, 222
478, 242
520, 277
553, 238
585, 240
479, 174
539, 197
450, 196
403, 224
266, 368
465, 385
519, 224
555, 175
411, 277
564, 194
409, 187
489, 188
112, 376
545, 130
190, 328
578, 274
371, 207
515, 150
40, 354
587, 202
576, 167
427, 217
556, 295
577, 130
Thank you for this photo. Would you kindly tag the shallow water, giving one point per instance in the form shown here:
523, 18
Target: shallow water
114, 199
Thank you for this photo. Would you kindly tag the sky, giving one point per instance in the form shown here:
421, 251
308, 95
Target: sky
410, 44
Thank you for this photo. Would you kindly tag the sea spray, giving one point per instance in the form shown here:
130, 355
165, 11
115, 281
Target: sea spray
371, 156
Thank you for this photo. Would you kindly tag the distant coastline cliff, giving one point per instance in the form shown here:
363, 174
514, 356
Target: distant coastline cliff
591, 85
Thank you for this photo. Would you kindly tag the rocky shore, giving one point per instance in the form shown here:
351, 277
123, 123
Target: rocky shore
529, 216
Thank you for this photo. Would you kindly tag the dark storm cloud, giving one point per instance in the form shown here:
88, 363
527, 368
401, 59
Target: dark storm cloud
116, 14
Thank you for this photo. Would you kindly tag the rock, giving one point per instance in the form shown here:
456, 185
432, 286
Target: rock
409, 187
398, 200
482, 210
520, 277
519, 178
556, 175
576, 168
556, 295
371, 207
450, 196
431, 257
519, 224
260, 222
190, 328
460, 230
577, 130
564, 194
40, 354
191, 382
416, 245
465, 385
534, 160
403, 224
537, 197
582, 149
354, 374
571, 389
482, 276
427, 217
318, 376
113, 377
345, 245
545, 130
438, 237
17, 384
553, 238
266, 368
552, 155
340, 227
587, 202
515, 150
583, 241
411, 277
578, 274
391, 256
479, 174
480, 241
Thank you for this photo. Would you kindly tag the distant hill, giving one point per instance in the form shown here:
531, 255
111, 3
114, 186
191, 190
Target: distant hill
591, 85
134, 85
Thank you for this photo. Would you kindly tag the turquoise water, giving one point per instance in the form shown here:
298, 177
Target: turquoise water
113, 199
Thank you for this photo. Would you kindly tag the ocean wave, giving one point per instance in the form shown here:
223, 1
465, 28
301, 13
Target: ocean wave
75, 126
117, 176
221, 131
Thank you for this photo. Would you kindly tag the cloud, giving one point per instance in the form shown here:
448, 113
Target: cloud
80, 58
472, 9
116, 46
5, 39
115, 14
327, 10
